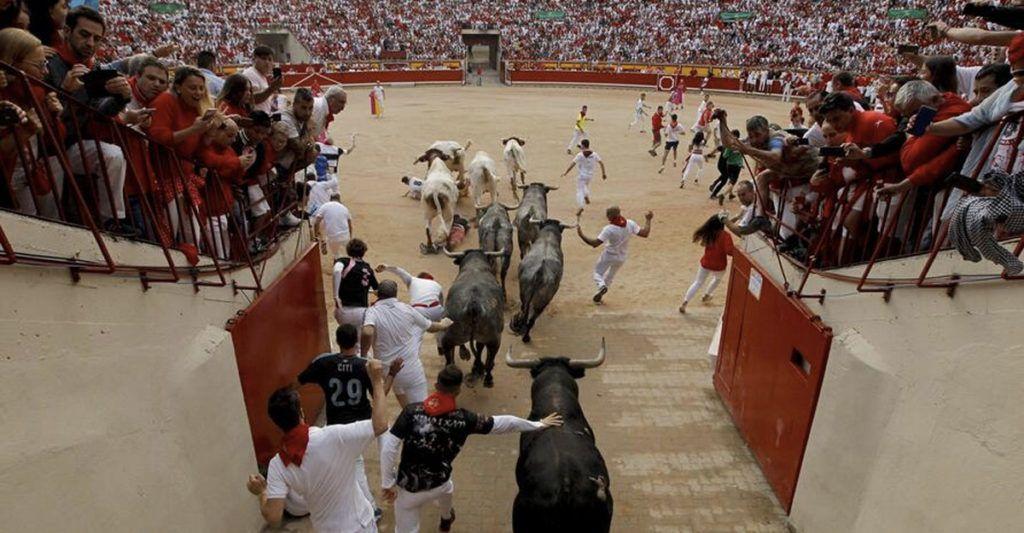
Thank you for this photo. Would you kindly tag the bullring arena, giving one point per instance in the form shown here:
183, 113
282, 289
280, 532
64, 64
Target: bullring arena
676, 462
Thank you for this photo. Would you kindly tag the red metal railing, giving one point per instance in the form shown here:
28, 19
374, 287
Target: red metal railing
74, 184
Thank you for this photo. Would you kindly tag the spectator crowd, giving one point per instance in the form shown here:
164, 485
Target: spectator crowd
800, 34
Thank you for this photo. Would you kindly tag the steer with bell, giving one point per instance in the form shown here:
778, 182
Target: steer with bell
563, 480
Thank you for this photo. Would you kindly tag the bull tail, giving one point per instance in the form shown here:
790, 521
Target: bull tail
490, 180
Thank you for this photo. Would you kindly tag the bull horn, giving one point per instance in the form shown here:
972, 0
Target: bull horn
469, 142
525, 363
552, 188
511, 208
494, 254
566, 226
536, 221
523, 187
449, 254
589, 363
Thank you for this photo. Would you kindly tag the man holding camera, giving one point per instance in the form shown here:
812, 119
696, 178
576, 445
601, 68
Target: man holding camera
265, 79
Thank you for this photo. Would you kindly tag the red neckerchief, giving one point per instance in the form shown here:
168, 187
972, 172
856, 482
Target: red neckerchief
426, 276
133, 82
619, 221
293, 445
439, 403
68, 55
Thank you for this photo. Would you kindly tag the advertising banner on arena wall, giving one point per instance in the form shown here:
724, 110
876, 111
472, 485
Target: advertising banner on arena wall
549, 14
733, 16
897, 13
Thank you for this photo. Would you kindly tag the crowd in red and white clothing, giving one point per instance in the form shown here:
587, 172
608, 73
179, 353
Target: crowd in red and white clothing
802, 34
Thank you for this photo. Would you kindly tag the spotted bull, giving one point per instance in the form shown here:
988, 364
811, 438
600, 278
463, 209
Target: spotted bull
563, 480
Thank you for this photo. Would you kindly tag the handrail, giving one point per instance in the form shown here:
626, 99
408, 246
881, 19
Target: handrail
151, 168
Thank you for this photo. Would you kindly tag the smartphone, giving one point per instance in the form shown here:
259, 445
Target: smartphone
277, 72
908, 49
95, 81
925, 116
831, 151
9, 116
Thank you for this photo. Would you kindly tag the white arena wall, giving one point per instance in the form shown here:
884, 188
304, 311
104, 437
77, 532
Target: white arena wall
123, 409
918, 425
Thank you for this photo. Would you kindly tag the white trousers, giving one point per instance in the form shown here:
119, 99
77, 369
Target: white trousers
606, 268
433, 314
113, 159
176, 209
582, 191
702, 276
353, 316
408, 504
694, 164
336, 247
220, 239
577, 136
637, 117
411, 381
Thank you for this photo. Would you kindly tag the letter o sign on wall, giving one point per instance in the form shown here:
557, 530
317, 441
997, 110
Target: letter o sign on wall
666, 83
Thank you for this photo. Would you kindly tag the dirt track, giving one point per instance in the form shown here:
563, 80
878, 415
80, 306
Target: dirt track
676, 461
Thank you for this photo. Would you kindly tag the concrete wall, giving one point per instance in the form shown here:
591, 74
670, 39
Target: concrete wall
919, 425
122, 409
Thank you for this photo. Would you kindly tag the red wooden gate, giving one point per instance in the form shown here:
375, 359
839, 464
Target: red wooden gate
771, 363
275, 338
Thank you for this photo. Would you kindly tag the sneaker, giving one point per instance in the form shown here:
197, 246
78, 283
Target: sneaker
289, 221
706, 298
682, 185
732, 197
721, 200
600, 294
661, 170
653, 152
568, 151
682, 309
446, 524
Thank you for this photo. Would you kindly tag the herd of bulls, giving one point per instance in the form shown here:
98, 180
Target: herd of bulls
562, 477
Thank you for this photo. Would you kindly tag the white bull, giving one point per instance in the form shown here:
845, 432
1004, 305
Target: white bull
438, 195
515, 160
456, 153
483, 177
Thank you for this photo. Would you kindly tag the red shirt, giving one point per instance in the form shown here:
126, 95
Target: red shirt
868, 128
226, 171
656, 122
928, 158
716, 255
169, 116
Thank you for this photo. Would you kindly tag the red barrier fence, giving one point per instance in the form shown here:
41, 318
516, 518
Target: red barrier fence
771, 363
267, 359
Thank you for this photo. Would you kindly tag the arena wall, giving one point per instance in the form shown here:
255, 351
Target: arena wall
918, 424
630, 79
123, 408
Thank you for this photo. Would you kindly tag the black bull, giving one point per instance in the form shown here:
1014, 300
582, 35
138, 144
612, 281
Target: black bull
563, 480
475, 304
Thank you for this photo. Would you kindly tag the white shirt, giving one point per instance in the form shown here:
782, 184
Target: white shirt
320, 192
586, 165
639, 106
815, 136
672, 132
333, 155
399, 330
378, 93
318, 120
259, 84
424, 292
326, 478
335, 217
965, 80
616, 239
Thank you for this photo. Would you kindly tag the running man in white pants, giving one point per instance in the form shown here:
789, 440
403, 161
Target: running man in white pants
395, 331
579, 132
639, 112
426, 296
319, 464
332, 222
615, 236
585, 162
431, 435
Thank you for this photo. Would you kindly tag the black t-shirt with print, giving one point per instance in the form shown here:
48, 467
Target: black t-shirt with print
346, 385
431, 443
355, 287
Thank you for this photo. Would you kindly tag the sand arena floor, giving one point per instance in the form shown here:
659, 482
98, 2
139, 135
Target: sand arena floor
676, 461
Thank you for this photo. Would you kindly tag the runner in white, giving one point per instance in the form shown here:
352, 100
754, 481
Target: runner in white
700, 112
672, 132
426, 296
332, 222
579, 132
639, 112
586, 162
615, 236
395, 330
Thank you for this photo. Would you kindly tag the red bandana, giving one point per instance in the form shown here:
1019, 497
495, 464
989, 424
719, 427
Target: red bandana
1015, 53
137, 94
619, 221
425, 276
439, 403
293, 445
68, 55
